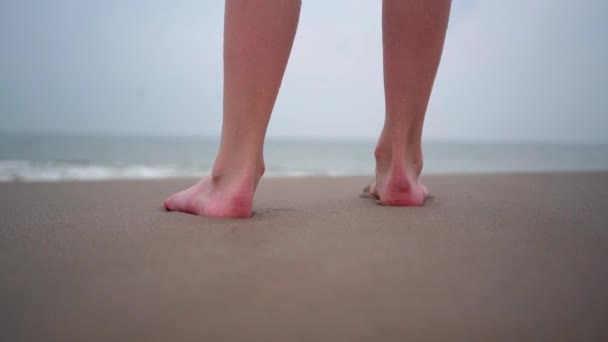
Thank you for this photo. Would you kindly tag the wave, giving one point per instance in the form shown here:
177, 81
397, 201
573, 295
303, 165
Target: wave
29, 171
13, 171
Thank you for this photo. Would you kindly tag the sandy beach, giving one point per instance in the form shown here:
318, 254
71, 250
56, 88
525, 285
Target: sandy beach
490, 257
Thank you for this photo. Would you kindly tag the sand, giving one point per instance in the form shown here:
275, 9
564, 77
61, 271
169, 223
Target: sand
491, 257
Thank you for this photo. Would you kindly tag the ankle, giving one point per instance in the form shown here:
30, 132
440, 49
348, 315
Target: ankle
237, 172
260, 169
399, 159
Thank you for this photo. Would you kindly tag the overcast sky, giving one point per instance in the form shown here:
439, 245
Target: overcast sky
517, 70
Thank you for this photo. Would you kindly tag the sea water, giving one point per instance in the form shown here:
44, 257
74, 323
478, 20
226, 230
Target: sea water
30, 158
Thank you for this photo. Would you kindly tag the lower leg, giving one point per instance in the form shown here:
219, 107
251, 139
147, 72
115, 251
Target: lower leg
413, 33
258, 36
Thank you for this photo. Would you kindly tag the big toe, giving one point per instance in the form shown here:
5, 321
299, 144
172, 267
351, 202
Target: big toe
168, 203
174, 202
370, 191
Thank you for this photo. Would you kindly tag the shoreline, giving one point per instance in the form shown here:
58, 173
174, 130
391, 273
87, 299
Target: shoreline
306, 175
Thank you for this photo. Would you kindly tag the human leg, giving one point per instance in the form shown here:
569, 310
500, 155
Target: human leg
258, 36
413, 33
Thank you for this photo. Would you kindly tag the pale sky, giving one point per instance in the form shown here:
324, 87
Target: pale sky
517, 70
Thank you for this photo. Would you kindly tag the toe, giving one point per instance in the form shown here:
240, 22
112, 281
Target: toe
173, 202
168, 203
365, 192
369, 191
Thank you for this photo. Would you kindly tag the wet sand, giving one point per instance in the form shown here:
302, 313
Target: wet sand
490, 257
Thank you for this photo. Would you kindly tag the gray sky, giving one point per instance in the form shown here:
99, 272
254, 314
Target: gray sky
518, 70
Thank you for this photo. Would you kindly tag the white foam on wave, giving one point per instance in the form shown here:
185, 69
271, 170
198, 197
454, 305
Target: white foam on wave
29, 171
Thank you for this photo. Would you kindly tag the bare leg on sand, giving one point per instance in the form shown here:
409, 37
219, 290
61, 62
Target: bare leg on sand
258, 36
413, 33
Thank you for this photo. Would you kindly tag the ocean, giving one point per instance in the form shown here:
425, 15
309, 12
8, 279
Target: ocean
35, 158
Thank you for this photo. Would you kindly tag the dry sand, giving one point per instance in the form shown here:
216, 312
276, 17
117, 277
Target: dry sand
491, 257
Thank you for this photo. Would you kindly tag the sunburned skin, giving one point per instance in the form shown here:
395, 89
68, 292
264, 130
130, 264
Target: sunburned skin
213, 197
394, 190
397, 181
224, 193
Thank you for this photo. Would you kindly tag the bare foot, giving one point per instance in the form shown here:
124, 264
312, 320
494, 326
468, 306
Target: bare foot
215, 196
397, 182
397, 191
